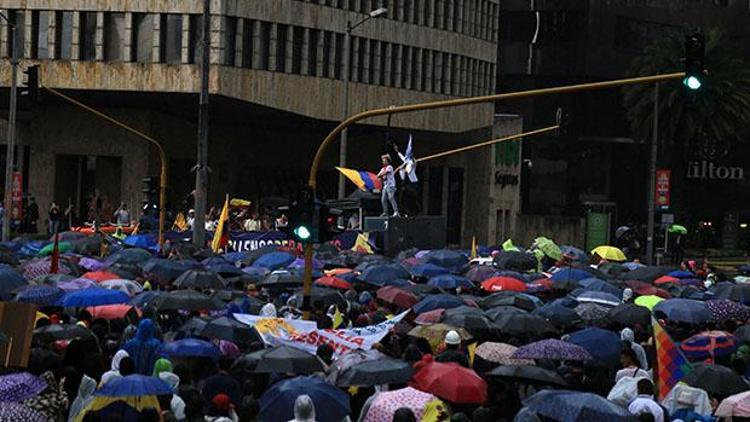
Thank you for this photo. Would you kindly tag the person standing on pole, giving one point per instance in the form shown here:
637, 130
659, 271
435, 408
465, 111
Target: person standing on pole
388, 193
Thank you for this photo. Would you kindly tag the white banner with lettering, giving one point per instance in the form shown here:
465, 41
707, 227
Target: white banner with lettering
305, 335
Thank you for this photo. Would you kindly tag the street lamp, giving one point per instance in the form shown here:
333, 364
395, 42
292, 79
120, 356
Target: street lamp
10, 150
347, 69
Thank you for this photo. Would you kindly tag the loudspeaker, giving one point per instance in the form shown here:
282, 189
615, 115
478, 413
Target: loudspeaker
426, 232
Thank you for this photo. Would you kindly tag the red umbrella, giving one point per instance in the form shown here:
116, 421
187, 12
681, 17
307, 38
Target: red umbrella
666, 279
644, 289
430, 317
397, 297
100, 276
497, 284
451, 382
334, 282
112, 311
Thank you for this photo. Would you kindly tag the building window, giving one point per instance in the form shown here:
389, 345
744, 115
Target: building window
312, 52
63, 35
195, 38
230, 40
171, 38
87, 36
264, 55
114, 34
282, 32
298, 44
426, 12
142, 42
361, 42
414, 68
19, 20
327, 40
395, 76
247, 43
373, 62
383, 62
338, 57
40, 34
447, 8
423, 83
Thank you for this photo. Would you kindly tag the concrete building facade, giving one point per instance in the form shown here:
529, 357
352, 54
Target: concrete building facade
276, 87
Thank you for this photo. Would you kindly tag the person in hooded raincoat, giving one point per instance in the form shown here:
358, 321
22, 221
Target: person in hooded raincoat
177, 404
144, 348
114, 371
83, 399
304, 409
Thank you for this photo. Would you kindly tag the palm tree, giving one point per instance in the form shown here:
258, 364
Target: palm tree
707, 120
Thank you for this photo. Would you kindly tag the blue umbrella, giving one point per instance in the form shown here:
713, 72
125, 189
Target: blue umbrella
445, 258
432, 302
558, 314
255, 273
10, 280
226, 270
233, 257
214, 260
427, 270
166, 269
129, 256
570, 274
277, 403
603, 345
684, 310
134, 386
681, 274
600, 298
378, 275
566, 405
142, 241
274, 260
574, 254
299, 263
190, 347
94, 296
595, 284
450, 281
143, 299
40, 295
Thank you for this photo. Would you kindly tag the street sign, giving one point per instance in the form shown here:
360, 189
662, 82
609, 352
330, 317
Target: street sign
667, 219
663, 188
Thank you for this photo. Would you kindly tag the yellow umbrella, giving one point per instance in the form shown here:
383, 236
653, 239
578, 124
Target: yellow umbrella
610, 253
648, 301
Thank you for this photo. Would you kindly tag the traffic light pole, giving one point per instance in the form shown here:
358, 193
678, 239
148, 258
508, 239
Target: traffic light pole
313, 177
652, 180
162, 155
10, 151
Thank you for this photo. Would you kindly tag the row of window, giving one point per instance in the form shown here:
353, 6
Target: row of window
476, 18
247, 43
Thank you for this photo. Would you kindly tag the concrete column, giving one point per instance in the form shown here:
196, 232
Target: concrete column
27, 18
217, 43
272, 47
256, 45
185, 47
76, 37
398, 57
127, 48
450, 16
419, 58
367, 64
289, 48
354, 64
388, 59
239, 42
320, 52
305, 60
99, 37
156, 54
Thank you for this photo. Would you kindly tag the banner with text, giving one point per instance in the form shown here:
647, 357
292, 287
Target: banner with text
240, 241
306, 336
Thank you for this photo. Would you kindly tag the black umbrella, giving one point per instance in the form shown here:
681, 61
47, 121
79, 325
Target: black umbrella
51, 279
628, 314
42, 360
186, 300
126, 271
477, 324
192, 327
252, 256
422, 290
527, 374
89, 246
285, 359
228, 295
742, 334
327, 296
406, 254
376, 372
9, 258
521, 324
717, 380
647, 274
200, 279
183, 249
515, 261
507, 298
245, 365
54, 332
225, 328
282, 279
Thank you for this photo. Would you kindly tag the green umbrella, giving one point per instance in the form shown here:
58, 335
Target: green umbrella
508, 246
548, 247
676, 228
61, 246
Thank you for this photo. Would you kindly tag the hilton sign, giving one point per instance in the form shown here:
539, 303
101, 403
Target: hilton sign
707, 170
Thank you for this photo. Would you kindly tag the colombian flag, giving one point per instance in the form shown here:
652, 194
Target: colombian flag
671, 364
364, 180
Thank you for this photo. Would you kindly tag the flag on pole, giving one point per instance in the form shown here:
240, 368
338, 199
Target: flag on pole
409, 168
671, 365
54, 266
473, 247
362, 244
221, 235
136, 229
338, 319
364, 180
180, 223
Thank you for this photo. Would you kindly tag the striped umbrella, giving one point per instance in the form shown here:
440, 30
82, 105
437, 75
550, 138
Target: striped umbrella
709, 344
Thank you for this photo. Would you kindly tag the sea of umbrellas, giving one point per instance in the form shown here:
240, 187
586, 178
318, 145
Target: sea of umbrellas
543, 329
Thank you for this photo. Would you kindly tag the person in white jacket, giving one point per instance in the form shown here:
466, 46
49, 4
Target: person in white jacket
114, 371
177, 404
304, 409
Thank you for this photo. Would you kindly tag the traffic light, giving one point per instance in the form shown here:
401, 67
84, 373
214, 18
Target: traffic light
695, 50
31, 87
150, 194
301, 213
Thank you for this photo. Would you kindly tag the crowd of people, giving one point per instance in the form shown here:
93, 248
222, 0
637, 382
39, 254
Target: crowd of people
544, 333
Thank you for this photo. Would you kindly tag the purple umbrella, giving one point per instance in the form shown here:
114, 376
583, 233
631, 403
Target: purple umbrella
300, 263
552, 349
40, 295
20, 386
725, 309
76, 284
479, 273
41, 267
91, 264
14, 412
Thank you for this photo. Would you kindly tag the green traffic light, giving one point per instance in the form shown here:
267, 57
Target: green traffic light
692, 82
302, 233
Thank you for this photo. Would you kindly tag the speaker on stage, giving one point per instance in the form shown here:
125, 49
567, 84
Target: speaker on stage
426, 232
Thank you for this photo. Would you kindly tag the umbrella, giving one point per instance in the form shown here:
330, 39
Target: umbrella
93, 297
592, 311
475, 323
285, 359
479, 273
277, 403
736, 292
595, 284
641, 288
517, 324
557, 314
40, 295
54, 332
515, 261
200, 279
435, 333
386, 403
142, 241
666, 279
129, 256
570, 274
274, 260
430, 317
628, 314
229, 329
432, 302
725, 309
677, 229
165, 269
193, 327
14, 412
600, 298
333, 282
610, 253
445, 258
134, 386
552, 349
186, 300
355, 357
648, 302
500, 353
565, 405
52, 279
378, 275
130, 287
717, 380
603, 345
508, 298
708, 344
450, 281
110, 312
61, 246
737, 405
20, 386
299, 263
226, 270
548, 247
427, 270
11, 280
91, 264
574, 254
41, 267
497, 284
527, 374
190, 347
452, 382
396, 296
326, 296
100, 276
281, 278
684, 310
376, 372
